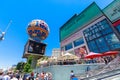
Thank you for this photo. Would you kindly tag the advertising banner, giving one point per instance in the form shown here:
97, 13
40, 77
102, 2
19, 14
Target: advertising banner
81, 52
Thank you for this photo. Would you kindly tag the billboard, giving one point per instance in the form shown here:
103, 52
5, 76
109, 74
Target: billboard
91, 13
34, 47
81, 52
112, 11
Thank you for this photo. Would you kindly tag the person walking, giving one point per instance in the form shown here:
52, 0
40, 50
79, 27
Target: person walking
71, 74
87, 71
74, 77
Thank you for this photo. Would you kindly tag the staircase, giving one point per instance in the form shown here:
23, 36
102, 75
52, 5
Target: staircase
110, 70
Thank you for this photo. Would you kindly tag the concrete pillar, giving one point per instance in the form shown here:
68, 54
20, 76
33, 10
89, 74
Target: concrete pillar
34, 62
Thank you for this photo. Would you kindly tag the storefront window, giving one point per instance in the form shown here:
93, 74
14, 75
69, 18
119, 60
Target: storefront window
69, 46
78, 42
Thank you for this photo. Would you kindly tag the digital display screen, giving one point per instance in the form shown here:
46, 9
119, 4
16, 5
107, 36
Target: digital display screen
36, 47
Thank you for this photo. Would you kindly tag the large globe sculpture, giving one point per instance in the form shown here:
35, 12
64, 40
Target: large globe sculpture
38, 30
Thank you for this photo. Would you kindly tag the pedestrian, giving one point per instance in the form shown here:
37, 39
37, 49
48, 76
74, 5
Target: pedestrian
42, 75
46, 76
17, 75
87, 70
106, 61
35, 75
71, 74
74, 77
6, 76
14, 77
31, 76
1, 75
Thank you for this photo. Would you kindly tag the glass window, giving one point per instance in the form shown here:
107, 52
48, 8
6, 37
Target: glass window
102, 27
103, 22
112, 41
90, 38
102, 44
78, 42
106, 31
103, 49
86, 34
92, 46
93, 31
91, 28
87, 39
99, 24
90, 33
118, 28
86, 31
94, 36
69, 46
100, 37
96, 29
95, 50
115, 46
98, 34
106, 26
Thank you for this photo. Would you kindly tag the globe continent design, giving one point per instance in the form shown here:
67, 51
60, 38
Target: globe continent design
38, 29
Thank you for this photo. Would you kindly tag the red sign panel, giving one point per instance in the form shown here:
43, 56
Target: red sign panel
116, 23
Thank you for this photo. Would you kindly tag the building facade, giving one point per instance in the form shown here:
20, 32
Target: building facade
89, 31
112, 11
56, 52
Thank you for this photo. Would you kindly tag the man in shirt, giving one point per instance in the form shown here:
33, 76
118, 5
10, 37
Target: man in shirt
6, 77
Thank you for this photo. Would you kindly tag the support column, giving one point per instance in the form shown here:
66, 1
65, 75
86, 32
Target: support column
34, 62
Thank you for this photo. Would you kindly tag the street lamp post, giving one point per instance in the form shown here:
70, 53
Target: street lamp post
4, 32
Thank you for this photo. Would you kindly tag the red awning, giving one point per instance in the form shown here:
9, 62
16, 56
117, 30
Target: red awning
110, 53
93, 55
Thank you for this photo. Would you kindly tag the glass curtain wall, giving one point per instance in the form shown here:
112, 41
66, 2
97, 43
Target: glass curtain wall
101, 38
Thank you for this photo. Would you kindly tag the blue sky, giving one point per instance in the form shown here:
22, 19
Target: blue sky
54, 12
